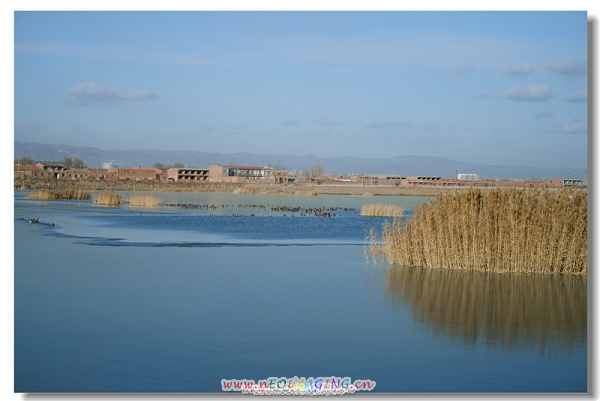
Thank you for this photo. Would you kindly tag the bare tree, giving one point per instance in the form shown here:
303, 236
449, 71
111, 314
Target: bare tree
78, 163
162, 166
304, 174
278, 167
24, 160
317, 171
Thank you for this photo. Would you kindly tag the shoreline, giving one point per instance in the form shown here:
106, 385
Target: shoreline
260, 189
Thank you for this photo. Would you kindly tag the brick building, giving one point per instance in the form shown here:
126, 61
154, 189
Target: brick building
187, 174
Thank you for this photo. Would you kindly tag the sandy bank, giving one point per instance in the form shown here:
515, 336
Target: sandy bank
271, 189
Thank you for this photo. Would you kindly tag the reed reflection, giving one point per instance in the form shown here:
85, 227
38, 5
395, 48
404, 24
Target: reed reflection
509, 310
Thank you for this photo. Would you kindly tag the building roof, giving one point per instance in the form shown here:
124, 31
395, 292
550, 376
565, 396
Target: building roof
27, 167
247, 167
188, 168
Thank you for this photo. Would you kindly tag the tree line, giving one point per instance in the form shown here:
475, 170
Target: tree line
314, 172
317, 171
67, 161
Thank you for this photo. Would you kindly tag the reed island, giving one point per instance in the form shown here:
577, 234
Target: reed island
507, 231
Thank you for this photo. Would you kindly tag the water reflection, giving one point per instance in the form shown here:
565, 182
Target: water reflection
506, 310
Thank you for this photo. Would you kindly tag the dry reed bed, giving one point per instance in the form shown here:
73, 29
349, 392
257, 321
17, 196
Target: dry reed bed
243, 191
508, 309
305, 192
524, 231
381, 209
258, 191
55, 194
108, 197
273, 192
145, 201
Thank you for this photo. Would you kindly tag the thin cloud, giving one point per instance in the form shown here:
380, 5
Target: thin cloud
381, 124
522, 70
91, 93
572, 128
426, 49
481, 95
321, 134
238, 127
527, 93
572, 69
289, 122
433, 138
325, 121
542, 114
577, 96
109, 53
61, 129
460, 71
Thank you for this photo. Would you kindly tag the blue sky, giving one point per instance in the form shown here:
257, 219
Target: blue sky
485, 87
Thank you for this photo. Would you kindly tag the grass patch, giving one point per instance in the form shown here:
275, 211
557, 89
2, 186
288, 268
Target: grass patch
306, 192
243, 191
55, 194
381, 209
108, 197
145, 201
508, 231
273, 192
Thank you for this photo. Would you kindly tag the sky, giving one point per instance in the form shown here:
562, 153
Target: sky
506, 88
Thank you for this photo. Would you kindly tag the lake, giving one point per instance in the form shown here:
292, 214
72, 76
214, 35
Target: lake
119, 299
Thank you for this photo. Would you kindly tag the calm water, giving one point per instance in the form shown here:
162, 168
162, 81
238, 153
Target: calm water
174, 300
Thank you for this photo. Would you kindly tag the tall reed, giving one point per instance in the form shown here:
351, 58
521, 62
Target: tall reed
381, 209
55, 194
108, 197
144, 201
525, 231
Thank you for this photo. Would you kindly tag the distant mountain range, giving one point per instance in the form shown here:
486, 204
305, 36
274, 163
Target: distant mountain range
401, 165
